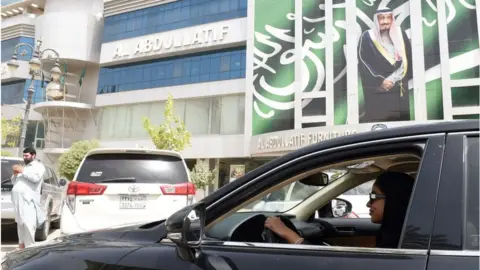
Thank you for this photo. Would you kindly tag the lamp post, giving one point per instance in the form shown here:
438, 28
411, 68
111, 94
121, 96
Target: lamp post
35, 65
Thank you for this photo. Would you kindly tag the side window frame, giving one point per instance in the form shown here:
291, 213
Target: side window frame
47, 176
331, 156
448, 230
471, 241
54, 180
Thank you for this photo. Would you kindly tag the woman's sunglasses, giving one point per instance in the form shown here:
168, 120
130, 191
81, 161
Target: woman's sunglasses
374, 196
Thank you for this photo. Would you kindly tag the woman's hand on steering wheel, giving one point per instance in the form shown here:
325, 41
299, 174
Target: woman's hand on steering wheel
276, 225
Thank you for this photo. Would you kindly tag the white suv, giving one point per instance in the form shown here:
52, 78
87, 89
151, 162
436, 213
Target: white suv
52, 197
115, 187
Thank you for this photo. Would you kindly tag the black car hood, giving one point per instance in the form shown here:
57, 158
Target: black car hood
87, 249
139, 232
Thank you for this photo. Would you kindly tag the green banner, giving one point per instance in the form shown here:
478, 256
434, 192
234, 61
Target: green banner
384, 56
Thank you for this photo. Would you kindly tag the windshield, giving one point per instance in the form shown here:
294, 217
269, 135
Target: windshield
136, 168
7, 171
287, 197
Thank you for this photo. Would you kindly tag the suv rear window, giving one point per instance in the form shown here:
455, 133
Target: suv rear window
141, 168
7, 171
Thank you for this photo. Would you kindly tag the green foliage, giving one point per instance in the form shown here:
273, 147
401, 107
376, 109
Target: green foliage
201, 176
6, 154
171, 134
11, 130
70, 160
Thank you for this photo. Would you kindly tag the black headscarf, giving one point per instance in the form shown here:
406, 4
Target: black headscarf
397, 188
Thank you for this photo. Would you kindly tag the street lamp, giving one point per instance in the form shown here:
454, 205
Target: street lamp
35, 65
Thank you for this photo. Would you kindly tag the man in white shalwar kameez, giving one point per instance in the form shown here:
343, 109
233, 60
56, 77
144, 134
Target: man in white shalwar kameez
27, 182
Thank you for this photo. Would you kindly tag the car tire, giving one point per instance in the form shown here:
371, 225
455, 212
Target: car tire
55, 224
44, 230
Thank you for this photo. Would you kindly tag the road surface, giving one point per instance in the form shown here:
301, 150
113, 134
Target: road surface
10, 240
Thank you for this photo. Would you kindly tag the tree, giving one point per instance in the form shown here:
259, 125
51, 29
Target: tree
70, 160
171, 134
201, 176
11, 130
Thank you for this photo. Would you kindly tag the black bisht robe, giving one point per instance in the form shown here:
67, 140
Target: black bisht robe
373, 68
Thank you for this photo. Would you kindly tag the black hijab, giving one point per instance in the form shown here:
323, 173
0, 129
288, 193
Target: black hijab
397, 188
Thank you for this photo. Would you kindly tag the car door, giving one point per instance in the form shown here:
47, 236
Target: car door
286, 256
215, 254
455, 239
57, 192
47, 188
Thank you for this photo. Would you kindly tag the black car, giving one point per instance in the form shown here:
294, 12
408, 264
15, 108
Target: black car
441, 228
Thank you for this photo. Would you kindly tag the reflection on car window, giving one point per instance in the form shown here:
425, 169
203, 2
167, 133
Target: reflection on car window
289, 196
363, 189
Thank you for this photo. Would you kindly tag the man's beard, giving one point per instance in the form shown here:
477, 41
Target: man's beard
27, 161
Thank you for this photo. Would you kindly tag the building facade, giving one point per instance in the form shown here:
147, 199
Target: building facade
251, 79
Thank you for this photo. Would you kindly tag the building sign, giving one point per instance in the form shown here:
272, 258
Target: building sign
165, 42
195, 39
289, 140
364, 77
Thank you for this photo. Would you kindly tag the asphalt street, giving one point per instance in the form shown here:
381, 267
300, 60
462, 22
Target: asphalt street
10, 240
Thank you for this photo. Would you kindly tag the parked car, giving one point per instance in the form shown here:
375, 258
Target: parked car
114, 186
440, 231
52, 197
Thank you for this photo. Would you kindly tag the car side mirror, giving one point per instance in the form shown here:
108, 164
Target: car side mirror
185, 228
62, 182
341, 207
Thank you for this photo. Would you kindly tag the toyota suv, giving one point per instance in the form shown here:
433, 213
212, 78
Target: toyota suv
113, 187
52, 197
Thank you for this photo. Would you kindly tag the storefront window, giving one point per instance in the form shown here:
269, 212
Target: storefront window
217, 115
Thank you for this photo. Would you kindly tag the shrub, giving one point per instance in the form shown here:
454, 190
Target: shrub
70, 160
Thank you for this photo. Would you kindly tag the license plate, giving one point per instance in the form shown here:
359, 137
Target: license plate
133, 202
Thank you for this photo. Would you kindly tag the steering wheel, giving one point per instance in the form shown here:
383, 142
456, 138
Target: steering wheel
271, 237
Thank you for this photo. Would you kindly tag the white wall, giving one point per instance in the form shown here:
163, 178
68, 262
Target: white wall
19, 19
9, 111
207, 146
73, 28
198, 90
223, 34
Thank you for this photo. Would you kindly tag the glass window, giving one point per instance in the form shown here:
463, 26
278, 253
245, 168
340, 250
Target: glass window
201, 117
170, 16
8, 46
7, 171
107, 123
139, 111
197, 114
142, 168
187, 69
13, 92
472, 226
232, 114
123, 122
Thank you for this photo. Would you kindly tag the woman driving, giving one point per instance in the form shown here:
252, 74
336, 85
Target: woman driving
388, 205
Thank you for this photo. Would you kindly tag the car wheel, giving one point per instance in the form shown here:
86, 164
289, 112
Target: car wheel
55, 224
44, 230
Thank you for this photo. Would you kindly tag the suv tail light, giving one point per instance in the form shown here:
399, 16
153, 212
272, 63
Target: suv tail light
76, 188
186, 189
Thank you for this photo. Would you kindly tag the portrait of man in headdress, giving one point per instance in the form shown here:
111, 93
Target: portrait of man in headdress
385, 67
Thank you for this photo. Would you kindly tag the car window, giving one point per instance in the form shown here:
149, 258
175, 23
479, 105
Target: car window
47, 176
7, 170
141, 168
363, 189
471, 237
289, 196
54, 177
301, 191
